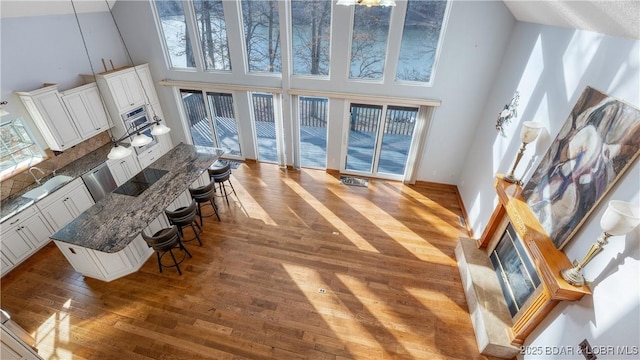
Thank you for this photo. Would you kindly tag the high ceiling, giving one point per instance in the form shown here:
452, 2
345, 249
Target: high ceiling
617, 18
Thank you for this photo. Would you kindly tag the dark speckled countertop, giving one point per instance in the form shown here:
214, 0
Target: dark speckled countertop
16, 203
113, 222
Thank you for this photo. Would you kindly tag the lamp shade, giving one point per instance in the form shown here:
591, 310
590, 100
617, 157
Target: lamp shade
530, 131
619, 218
118, 152
140, 140
159, 129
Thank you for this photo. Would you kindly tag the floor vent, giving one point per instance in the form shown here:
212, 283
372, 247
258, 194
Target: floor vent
462, 222
354, 181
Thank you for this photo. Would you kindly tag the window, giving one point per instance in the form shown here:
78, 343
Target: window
420, 36
265, 126
213, 34
313, 113
18, 148
369, 42
175, 34
262, 35
311, 26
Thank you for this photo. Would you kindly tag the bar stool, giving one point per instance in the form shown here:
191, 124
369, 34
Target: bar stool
163, 242
185, 216
222, 174
205, 195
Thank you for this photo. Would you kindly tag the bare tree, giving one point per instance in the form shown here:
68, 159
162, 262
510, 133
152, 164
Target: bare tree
262, 34
311, 22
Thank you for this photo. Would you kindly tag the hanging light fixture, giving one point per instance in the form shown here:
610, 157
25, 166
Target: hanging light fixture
367, 3
119, 151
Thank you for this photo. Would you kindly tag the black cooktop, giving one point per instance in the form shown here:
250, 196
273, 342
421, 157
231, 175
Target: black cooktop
140, 182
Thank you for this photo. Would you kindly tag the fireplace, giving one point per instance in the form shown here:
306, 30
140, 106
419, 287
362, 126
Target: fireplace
511, 275
515, 270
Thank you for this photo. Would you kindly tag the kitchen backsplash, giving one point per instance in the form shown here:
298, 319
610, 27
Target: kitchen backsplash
22, 180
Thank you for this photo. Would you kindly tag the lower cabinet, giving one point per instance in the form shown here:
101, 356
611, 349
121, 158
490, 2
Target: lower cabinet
123, 169
106, 266
13, 347
65, 204
22, 235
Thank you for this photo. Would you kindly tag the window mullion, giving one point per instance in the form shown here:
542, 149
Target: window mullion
194, 34
396, 25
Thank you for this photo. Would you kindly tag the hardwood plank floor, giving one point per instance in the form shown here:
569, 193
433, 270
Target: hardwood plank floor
301, 267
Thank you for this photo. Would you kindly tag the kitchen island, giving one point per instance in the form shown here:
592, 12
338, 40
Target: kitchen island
104, 242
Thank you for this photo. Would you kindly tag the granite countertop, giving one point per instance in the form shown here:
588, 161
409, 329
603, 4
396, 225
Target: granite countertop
14, 204
113, 222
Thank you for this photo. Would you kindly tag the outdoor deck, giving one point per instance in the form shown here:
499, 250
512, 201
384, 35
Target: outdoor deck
313, 142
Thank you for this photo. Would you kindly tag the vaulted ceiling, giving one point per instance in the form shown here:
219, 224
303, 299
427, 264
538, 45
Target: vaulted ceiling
616, 18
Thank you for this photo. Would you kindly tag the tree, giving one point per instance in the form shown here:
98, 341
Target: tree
311, 22
213, 34
262, 34
368, 44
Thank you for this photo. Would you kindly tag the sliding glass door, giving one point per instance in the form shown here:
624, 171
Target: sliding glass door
212, 121
379, 139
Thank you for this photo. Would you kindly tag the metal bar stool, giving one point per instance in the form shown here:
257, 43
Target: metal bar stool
205, 195
220, 175
185, 216
163, 242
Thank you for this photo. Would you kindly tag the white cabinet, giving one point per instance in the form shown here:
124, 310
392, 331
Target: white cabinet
22, 235
65, 204
123, 169
124, 88
48, 111
87, 110
150, 155
13, 347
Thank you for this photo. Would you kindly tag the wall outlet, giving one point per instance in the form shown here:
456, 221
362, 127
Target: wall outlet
586, 351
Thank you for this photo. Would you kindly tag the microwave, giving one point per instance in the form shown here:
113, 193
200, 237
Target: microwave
136, 119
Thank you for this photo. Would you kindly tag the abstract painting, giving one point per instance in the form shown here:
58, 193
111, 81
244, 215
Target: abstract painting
595, 146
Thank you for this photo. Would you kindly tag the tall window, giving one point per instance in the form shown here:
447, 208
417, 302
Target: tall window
420, 36
265, 126
176, 36
262, 35
313, 114
213, 34
311, 26
369, 42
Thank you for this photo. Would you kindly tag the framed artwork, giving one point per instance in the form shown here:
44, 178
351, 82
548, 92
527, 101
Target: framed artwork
595, 146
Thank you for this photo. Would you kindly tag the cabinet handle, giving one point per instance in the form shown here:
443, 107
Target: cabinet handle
122, 162
73, 251
11, 223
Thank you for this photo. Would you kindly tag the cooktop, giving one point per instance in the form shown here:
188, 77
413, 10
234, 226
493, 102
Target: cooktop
140, 182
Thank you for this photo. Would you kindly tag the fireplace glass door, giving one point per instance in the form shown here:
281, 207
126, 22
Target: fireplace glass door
515, 270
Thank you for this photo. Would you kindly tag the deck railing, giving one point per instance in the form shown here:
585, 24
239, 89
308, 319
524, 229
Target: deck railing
312, 112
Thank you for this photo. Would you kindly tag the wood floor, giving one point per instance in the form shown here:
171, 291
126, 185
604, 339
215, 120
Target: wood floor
301, 267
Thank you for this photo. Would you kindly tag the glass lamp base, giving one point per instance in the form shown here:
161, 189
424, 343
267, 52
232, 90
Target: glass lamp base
512, 179
573, 276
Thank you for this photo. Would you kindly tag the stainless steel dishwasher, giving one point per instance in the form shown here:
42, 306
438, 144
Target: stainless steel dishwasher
99, 181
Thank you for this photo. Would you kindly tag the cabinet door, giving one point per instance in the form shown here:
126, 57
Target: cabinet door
126, 91
15, 245
52, 119
149, 156
100, 119
123, 169
5, 264
58, 214
80, 113
147, 83
78, 200
37, 230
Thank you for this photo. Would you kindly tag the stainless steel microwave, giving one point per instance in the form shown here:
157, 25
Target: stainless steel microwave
136, 119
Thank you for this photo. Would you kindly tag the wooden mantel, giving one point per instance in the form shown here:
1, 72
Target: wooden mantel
548, 259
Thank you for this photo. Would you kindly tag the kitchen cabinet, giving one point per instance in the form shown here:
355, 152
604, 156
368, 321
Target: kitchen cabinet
123, 169
12, 347
50, 115
127, 88
22, 235
87, 110
150, 155
65, 204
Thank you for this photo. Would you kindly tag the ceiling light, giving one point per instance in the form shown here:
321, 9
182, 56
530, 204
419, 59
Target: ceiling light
367, 3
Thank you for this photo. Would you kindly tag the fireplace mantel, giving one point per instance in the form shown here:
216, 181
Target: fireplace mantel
548, 259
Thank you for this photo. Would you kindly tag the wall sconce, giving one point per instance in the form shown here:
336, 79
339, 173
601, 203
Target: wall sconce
367, 3
529, 132
510, 111
618, 219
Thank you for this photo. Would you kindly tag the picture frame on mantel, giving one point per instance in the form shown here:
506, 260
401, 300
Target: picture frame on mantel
598, 142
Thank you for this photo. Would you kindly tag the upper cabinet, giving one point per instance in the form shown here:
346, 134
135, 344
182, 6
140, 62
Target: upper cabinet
68, 118
48, 111
87, 110
127, 88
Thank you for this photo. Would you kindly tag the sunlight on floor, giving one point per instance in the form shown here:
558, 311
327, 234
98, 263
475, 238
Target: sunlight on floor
342, 322
53, 333
250, 206
431, 299
389, 225
333, 219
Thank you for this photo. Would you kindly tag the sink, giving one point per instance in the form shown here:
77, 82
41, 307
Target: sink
51, 185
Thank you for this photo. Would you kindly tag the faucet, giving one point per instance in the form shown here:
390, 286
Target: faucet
35, 177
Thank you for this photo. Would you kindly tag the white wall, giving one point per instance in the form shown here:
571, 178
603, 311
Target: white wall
550, 67
48, 49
